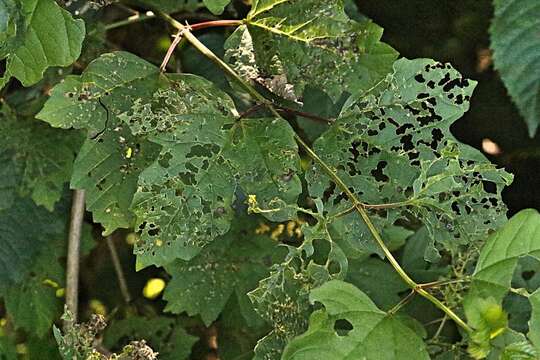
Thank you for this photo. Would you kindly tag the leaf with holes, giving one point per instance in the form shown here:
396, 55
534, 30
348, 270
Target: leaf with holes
392, 146
352, 327
50, 37
109, 163
286, 45
184, 199
231, 266
516, 45
282, 297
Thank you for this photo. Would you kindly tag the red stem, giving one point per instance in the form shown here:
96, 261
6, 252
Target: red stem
215, 23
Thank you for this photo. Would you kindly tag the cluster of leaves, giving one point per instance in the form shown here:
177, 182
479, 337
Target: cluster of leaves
272, 228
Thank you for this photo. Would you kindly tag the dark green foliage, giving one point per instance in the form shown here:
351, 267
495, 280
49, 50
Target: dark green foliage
304, 198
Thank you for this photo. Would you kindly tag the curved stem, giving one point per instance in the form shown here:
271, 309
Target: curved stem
215, 23
325, 167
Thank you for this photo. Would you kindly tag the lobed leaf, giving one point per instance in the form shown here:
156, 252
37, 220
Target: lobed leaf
392, 145
288, 44
109, 163
184, 199
231, 266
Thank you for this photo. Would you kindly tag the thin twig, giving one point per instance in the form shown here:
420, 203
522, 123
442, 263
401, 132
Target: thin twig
167, 57
304, 114
131, 20
118, 269
250, 111
402, 302
73, 255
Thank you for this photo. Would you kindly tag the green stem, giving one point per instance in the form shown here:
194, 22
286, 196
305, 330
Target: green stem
130, 20
326, 168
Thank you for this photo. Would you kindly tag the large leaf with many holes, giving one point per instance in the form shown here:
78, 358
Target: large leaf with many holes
38, 34
110, 161
515, 40
392, 145
286, 45
352, 327
185, 198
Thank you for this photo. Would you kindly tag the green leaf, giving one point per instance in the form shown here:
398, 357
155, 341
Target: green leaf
12, 26
282, 297
216, 6
515, 44
109, 176
368, 331
107, 166
40, 156
20, 248
377, 280
534, 323
392, 145
30, 264
33, 304
116, 79
288, 44
52, 38
163, 334
8, 350
184, 199
9, 173
518, 238
231, 266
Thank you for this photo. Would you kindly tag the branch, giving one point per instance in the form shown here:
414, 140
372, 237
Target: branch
325, 167
118, 269
73, 255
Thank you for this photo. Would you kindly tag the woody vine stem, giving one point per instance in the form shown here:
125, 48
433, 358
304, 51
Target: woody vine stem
185, 32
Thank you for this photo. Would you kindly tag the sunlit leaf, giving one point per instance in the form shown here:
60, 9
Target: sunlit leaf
352, 327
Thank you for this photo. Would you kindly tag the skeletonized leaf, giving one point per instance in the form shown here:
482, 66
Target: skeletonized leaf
282, 297
184, 199
289, 44
369, 332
